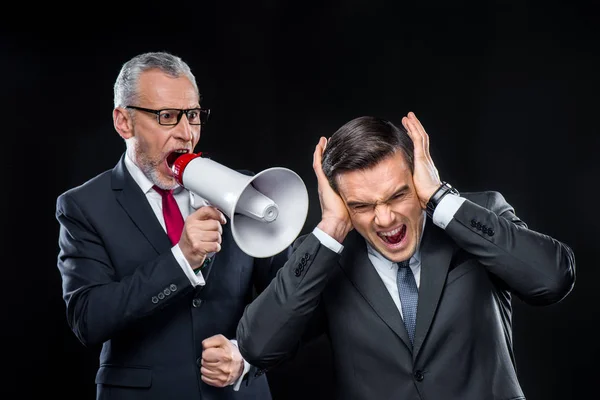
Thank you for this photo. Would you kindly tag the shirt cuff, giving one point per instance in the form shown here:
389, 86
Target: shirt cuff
195, 279
445, 210
328, 241
238, 382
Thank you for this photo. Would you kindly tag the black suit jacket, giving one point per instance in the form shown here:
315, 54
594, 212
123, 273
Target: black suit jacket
124, 289
463, 340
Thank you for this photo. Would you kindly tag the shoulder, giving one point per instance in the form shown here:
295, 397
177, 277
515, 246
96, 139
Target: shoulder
88, 191
490, 199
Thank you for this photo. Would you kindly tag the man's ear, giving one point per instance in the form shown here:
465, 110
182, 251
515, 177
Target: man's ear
122, 122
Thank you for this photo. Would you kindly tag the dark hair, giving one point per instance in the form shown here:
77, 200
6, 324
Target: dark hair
362, 143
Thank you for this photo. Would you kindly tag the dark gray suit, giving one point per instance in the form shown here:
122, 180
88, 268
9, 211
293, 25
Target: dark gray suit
124, 289
463, 340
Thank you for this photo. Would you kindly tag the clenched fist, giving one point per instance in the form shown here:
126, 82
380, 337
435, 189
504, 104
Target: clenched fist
222, 363
201, 235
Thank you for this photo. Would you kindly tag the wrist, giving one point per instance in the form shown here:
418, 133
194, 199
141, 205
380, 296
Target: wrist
335, 228
437, 196
241, 371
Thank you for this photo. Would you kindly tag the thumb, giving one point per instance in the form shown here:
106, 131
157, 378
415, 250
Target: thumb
214, 341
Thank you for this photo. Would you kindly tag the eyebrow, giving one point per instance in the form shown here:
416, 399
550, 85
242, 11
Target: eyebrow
398, 192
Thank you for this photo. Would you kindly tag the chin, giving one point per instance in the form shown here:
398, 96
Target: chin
398, 255
162, 180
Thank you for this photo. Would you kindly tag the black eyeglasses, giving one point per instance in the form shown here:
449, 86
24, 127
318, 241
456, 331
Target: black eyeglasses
172, 116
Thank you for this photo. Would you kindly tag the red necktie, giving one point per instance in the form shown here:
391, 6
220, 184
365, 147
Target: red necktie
172, 215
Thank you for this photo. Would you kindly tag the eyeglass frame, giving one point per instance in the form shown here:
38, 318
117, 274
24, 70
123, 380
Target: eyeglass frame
181, 112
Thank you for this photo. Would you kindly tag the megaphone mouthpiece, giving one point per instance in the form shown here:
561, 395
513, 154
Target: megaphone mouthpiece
256, 205
179, 165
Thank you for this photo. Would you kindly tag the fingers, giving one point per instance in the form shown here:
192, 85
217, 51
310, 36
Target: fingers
214, 341
220, 381
218, 377
205, 236
215, 355
318, 157
206, 223
217, 374
418, 135
421, 131
217, 367
209, 213
199, 238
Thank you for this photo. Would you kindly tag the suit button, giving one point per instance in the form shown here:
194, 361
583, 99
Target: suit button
197, 303
490, 232
297, 272
161, 295
473, 223
199, 361
167, 292
173, 287
419, 375
478, 226
154, 299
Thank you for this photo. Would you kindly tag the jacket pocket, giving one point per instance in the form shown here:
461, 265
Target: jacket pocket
116, 375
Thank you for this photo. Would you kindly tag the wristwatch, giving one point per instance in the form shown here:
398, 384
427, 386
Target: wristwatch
439, 194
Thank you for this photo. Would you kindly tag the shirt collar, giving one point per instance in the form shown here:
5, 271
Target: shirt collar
415, 259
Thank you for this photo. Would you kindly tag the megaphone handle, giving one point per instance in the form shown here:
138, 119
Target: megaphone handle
196, 201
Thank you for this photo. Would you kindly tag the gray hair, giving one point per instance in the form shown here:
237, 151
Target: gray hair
125, 88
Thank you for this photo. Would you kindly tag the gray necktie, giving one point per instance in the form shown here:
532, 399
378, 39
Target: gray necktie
409, 294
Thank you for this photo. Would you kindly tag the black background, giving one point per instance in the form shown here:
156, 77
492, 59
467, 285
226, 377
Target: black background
507, 91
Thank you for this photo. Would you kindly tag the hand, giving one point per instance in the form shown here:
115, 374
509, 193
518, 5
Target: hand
335, 220
201, 235
425, 176
222, 363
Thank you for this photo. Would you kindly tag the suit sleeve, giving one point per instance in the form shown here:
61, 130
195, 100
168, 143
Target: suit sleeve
281, 317
537, 268
99, 303
265, 269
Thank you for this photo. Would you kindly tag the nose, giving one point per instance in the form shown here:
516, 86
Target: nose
384, 216
183, 130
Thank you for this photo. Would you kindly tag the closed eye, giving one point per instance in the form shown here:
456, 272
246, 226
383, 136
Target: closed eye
399, 196
359, 208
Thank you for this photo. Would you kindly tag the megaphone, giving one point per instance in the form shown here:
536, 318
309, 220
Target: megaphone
267, 210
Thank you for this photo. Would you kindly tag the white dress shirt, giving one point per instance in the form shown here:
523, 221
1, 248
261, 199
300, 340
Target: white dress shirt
182, 196
184, 199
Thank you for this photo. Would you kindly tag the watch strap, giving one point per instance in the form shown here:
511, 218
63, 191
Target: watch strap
439, 194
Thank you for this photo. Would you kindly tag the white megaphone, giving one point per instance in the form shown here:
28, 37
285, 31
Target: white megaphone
267, 210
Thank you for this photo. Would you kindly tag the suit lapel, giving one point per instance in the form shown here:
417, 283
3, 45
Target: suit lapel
362, 274
436, 254
135, 204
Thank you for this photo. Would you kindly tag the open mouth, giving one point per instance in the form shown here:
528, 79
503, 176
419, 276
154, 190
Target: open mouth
174, 155
393, 237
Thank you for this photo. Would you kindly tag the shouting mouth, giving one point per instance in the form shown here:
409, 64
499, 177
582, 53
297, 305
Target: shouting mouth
174, 155
395, 237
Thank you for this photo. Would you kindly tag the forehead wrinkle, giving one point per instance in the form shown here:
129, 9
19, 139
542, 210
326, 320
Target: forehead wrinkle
361, 188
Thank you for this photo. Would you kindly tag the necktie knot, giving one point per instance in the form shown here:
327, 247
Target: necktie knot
163, 192
404, 264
